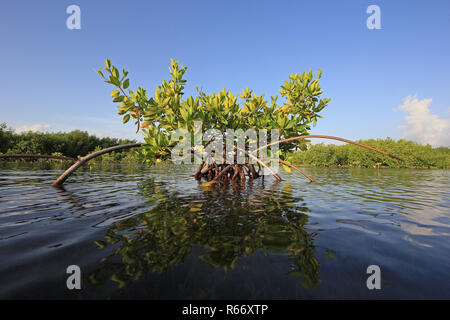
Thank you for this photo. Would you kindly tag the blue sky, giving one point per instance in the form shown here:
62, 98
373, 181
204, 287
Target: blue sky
48, 81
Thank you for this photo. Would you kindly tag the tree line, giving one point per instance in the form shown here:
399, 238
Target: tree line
413, 154
79, 143
73, 144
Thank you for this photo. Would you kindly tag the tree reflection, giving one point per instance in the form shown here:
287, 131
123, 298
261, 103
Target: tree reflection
230, 221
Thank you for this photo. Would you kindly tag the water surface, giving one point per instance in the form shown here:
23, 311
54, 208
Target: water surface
156, 233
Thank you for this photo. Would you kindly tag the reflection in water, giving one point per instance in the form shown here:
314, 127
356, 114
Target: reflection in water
230, 222
167, 237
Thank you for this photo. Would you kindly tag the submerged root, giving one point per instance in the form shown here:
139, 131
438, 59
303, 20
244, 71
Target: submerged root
237, 172
223, 172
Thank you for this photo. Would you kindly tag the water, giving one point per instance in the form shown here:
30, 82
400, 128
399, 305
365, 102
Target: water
156, 233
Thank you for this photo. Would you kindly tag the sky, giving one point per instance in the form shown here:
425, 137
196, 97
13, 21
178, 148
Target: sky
388, 82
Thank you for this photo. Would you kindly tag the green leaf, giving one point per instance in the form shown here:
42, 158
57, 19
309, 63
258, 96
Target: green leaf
115, 81
118, 99
115, 72
126, 118
184, 114
108, 63
286, 168
290, 124
115, 93
126, 83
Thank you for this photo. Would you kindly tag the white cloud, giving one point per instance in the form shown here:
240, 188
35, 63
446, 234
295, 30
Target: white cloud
43, 127
423, 126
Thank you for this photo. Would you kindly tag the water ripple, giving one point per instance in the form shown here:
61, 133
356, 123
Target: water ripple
347, 218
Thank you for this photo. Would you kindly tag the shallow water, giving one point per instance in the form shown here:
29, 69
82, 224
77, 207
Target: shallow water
156, 233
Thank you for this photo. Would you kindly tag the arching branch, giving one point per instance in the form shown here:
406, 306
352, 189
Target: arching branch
327, 137
85, 159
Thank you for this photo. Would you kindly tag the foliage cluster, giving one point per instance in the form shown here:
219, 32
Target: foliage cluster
167, 110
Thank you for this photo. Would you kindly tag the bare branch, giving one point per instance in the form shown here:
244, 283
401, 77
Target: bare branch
327, 137
85, 159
